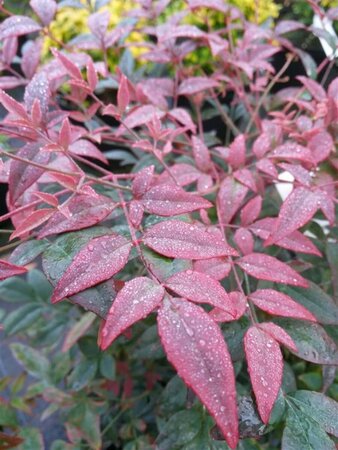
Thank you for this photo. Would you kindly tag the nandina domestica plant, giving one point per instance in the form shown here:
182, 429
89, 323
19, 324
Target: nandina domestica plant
195, 232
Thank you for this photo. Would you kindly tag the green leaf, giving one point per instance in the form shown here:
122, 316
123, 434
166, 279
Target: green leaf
148, 345
33, 361
16, 290
320, 408
28, 251
302, 432
181, 428
83, 373
332, 257
233, 333
313, 343
22, 318
8, 416
173, 397
107, 366
32, 439
164, 267
315, 300
312, 380
78, 330
88, 346
40, 284
62, 445
87, 422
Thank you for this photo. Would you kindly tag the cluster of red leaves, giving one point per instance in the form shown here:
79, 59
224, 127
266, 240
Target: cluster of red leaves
219, 236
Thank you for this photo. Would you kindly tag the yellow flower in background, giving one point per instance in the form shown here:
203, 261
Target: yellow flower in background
70, 22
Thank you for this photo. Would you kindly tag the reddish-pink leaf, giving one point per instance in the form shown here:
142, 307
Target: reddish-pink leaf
297, 210
30, 57
295, 241
65, 134
266, 267
9, 50
217, 268
168, 200
97, 261
182, 116
321, 145
123, 95
143, 181
200, 288
38, 88
138, 298
98, 24
279, 304
83, 147
245, 177
45, 9
10, 270
251, 211
196, 348
201, 154
141, 115
285, 26
50, 199
136, 211
11, 82
71, 68
34, 220
298, 172
315, 89
13, 106
92, 77
238, 301
177, 239
17, 25
230, 198
183, 173
237, 151
84, 211
194, 85
165, 32
265, 366
279, 334
262, 145
218, 5
266, 166
291, 152
23, 175
244, 240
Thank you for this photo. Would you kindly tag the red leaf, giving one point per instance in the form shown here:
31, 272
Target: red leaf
9, 50
279, 334
200, 288
218, 5
266, 166
295, 241
141, 115
50, 199
279, 304
71, 68
82, 147
265, 366
123, 95
98, 24
230, 198
321, 145
195, 85
92, 77
45, 9
298, 209
143, 181
34, 220
11, 82
168, 200
265, 267
298, 172
315, 89
38, 88
138, 298
17, 25
262, 145
184, 174
217, 268
195, 347
177, 239
182, 116
13, 106
251, 211
97, 261
245, 177
239, 302
244, 240
65, 134
23, 175
201, 154
237, 151
291, 151
10, 270
84, 211
136, 212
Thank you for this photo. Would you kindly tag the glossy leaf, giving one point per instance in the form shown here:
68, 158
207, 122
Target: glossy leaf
33, 221
265, 267
239, 303
166, 200
200, 288
97, 261
230, 198
217, 268
17, 26
278, 334
45, 9
279, 304
178, 239
201, 154
250, 212
195, 85
9, 270
138, 298
196, 348
265, 366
